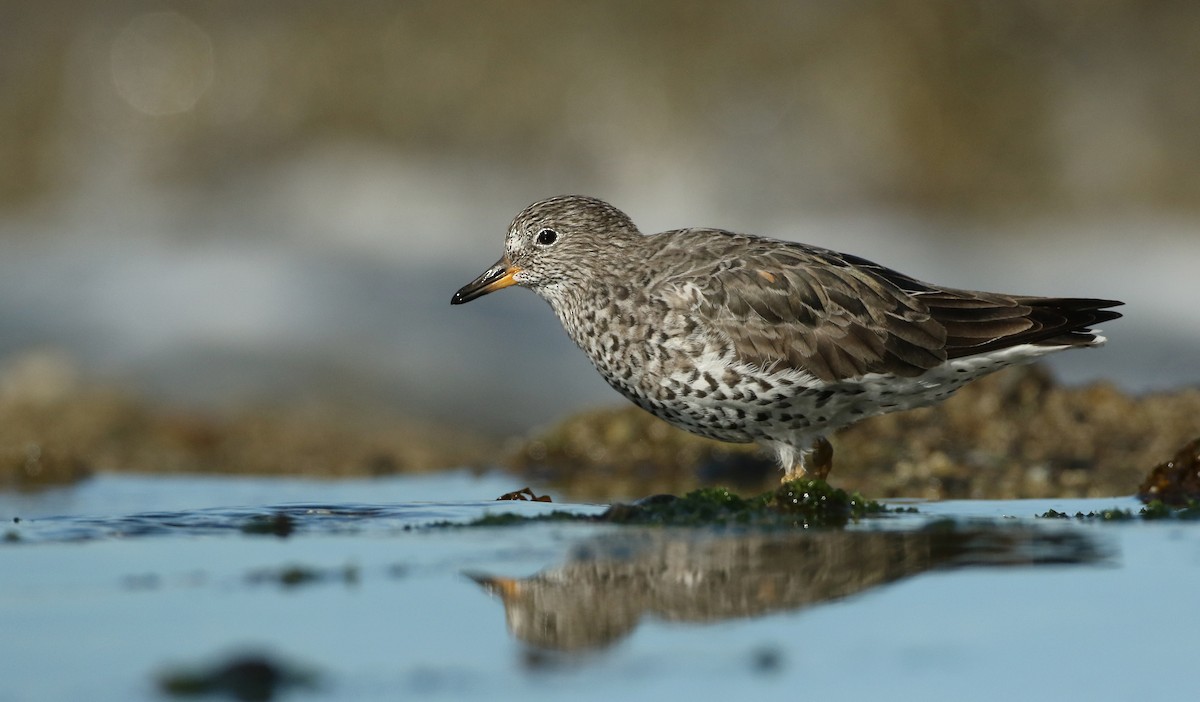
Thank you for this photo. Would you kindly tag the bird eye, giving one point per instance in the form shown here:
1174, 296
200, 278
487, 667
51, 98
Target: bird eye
546, 237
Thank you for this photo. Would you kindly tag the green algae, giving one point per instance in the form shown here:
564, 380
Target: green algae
510, 519
796, 504
703, 507
1104, 515
1154, 510
1188, 511
819, 504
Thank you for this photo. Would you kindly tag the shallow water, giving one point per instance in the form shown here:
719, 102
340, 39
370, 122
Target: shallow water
107, 585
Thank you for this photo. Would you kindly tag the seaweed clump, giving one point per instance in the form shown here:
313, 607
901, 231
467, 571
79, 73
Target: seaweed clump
800, 503
1155, 510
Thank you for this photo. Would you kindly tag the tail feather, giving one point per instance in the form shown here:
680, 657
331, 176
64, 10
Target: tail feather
982, 322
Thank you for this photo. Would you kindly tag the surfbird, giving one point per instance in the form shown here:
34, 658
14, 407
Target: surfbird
748, 339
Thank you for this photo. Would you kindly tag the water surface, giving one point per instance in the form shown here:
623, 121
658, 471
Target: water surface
107, 585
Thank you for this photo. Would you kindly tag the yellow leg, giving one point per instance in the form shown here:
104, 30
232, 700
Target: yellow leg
816, 462
822, 458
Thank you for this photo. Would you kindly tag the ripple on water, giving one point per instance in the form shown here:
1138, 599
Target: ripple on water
278, 520
113, 506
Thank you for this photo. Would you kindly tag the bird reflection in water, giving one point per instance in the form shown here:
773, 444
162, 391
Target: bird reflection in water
609, 584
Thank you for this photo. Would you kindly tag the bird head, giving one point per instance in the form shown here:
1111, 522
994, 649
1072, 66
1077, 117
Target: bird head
555, 245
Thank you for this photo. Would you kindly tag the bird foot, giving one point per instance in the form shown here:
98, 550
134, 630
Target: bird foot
816, 462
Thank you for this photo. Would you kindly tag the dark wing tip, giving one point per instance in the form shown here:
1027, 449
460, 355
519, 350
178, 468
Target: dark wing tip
1007, 321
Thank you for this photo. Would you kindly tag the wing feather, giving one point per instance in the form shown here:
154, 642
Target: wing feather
836, 316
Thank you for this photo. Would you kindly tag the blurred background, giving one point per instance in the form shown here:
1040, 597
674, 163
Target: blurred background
220, 204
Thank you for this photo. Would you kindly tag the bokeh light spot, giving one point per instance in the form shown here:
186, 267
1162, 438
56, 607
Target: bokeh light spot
162, 63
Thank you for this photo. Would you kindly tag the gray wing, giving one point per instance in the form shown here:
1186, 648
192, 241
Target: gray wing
837, 316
